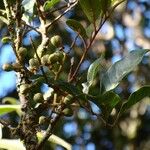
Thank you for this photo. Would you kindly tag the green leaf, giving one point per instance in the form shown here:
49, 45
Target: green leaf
121, 68
65, 86
6, 39
91, 75
106, 102
136, 97
55, 139
4, 109
111, 99
91, 8
76, 26
11, 144
3, 19
105, 4
50, 3
10, 100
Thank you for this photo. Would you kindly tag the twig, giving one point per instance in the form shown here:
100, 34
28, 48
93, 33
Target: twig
91, 42
62, 14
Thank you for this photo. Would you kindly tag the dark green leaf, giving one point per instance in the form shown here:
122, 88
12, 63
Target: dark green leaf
91, 8
105, 4
65, 86
50, 4
136, 97
76, 26
107, 102
121, 68
110, 98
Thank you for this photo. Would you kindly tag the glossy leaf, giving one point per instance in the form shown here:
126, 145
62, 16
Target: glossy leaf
121, 68
111, 99
91, 8
76, 26
50, 4
136, 97
55, 139
91, 75
4, 109
107, 102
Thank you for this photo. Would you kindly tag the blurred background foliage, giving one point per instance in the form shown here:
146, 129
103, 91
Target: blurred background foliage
126, 30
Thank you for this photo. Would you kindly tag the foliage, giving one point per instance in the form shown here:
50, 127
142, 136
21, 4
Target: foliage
46, 61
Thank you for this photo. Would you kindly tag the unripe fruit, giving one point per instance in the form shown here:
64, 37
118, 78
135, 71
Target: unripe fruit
17, 66
38, 97
56, 41
60, 55
7, 67
68, 99
56, 57
44, 59
42, 120
55, 67
53, 58
24, 88
22, 52
33, 62
68, 112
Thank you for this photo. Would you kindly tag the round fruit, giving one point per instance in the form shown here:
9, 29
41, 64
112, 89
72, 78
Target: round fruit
24, 88
44, 59
17, 66
33, 62
7, 67
38, 97
56, 41
53, 58
22, 52
68, 112
42, 120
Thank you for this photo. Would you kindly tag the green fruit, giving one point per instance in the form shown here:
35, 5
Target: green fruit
22, 52
56, 41
68, 112
53, 58
24, 88
33, 62
7, 67
44, 59
68, 99
17, 66
42, 120
55, 67
56, 57
60, 55
38, 97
